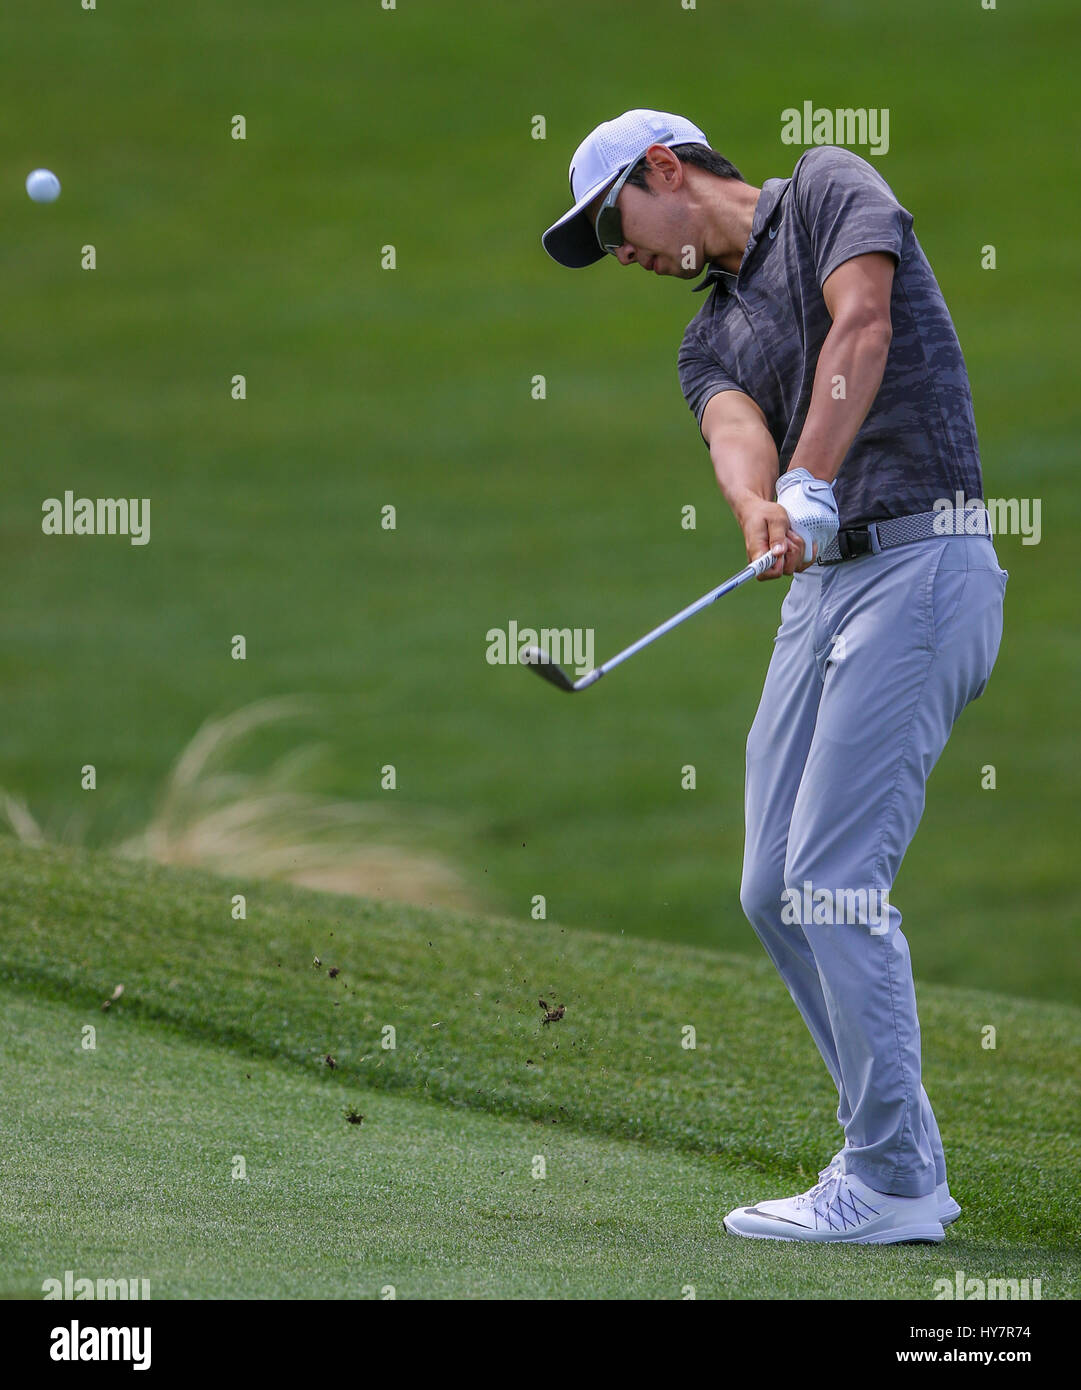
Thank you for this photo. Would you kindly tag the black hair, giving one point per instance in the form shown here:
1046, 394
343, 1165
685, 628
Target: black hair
701, 156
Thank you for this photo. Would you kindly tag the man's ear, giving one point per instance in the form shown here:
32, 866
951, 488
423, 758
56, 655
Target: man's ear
664, 166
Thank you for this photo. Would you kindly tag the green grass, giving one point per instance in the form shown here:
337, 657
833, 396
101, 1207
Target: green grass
118, 1160
412, 387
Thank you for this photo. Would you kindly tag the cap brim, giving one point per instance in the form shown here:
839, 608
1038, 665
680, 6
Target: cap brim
572, 240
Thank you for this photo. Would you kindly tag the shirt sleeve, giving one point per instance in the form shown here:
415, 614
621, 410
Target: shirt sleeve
848, 209
701, 375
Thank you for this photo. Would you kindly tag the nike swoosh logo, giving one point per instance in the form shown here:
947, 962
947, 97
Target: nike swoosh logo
774, 230
753, 1211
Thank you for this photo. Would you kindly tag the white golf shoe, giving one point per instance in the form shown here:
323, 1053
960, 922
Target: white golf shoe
841, 1208
948, 1209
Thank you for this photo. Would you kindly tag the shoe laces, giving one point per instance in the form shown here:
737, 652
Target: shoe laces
824, 1192
832, 1167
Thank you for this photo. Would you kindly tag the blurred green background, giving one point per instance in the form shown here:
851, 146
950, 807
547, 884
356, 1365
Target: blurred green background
368, 387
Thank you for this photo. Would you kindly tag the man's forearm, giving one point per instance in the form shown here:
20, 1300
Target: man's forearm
847, 378
745, 464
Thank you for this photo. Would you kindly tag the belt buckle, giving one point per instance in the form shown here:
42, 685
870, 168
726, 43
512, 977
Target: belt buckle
855, 541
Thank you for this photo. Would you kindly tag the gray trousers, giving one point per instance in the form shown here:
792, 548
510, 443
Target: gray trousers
873, 662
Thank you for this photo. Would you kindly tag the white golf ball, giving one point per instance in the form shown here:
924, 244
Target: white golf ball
43, 186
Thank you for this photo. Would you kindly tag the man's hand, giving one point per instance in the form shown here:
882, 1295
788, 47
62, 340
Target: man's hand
811, 510
765, 526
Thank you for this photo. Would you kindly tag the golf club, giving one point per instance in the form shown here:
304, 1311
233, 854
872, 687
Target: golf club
540, 661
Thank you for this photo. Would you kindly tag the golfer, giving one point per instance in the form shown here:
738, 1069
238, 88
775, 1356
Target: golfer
828, 384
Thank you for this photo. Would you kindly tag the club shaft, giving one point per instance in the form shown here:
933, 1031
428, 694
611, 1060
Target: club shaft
759, 566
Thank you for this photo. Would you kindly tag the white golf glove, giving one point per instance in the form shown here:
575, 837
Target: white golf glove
811, 508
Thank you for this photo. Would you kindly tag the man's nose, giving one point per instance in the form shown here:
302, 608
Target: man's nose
625, 255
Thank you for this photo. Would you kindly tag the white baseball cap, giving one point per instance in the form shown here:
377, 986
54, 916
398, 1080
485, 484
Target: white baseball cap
597, 162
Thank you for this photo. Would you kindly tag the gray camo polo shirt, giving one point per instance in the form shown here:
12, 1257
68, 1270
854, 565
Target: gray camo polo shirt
761, 331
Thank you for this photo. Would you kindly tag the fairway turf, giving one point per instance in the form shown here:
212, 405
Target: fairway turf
118, 1160
413, 388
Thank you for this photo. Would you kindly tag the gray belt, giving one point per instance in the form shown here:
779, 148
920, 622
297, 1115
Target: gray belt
853, 541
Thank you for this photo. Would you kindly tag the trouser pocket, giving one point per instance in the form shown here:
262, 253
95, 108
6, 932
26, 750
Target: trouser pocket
965, 611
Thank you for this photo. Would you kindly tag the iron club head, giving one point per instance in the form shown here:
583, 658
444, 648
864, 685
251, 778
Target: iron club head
539, 660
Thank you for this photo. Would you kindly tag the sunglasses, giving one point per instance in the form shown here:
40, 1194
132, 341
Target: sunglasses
609, 223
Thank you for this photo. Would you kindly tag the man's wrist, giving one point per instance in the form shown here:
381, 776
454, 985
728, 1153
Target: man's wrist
746, 500
824, 472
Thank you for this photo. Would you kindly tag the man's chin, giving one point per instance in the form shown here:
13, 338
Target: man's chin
679, 273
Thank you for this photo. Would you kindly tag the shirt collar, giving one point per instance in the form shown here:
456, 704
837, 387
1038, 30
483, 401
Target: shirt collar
715, 276
772, 192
